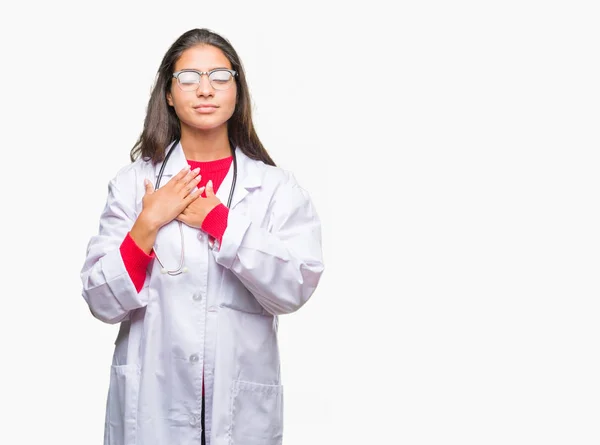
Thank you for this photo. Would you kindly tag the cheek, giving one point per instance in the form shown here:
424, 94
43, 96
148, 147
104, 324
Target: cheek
229, 103
178, 102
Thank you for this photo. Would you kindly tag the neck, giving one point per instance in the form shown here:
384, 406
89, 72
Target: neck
205, 145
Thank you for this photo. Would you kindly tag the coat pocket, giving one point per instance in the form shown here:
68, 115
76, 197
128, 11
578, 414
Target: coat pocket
122, 405
256, 414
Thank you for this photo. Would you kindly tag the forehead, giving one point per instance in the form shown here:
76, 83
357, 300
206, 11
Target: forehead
202, 58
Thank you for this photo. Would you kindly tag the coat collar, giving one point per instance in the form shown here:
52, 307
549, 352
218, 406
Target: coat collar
249, 174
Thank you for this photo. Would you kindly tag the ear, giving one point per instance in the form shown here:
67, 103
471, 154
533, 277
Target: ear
169, 99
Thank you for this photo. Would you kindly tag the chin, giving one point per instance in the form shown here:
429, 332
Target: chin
205, 124
207, 127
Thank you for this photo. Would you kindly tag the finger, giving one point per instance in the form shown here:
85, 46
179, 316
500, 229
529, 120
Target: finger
184, 171
175, 181
190, 176
148, 186
193, 196
194, 174
209, 188
192, 184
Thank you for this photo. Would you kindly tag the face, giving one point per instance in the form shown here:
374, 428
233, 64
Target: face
187, 103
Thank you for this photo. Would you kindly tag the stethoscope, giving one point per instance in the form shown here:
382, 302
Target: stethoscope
181, 268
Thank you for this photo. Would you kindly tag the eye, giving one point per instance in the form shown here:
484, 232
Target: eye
188, 77
220, 76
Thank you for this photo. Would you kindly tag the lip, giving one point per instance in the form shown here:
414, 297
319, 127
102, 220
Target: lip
205, 108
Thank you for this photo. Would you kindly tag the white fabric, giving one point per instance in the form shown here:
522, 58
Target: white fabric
222, 315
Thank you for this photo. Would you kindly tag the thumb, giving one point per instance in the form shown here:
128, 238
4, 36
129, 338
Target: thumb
209, 188
148, 186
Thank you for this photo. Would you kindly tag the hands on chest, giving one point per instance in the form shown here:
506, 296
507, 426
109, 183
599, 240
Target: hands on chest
179, 199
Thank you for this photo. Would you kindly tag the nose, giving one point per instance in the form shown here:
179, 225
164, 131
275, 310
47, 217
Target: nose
204, 87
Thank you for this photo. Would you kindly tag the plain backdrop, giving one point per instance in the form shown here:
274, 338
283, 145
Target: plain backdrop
451, 150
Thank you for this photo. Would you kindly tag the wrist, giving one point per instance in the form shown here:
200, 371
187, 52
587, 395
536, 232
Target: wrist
144, 232
147, 223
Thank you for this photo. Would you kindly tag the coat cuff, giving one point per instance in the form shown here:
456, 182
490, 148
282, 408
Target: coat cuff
119, 282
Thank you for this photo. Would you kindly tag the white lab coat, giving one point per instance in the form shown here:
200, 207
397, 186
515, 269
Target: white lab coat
222, 315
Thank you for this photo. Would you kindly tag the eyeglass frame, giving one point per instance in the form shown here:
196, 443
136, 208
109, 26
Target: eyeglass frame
200, 73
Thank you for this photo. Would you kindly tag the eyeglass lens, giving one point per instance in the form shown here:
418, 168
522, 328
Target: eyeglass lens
219, 80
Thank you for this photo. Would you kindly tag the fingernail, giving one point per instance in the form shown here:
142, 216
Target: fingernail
209, 183
196, 170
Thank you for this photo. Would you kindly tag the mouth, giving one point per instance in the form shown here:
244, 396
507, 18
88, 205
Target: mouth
205, 108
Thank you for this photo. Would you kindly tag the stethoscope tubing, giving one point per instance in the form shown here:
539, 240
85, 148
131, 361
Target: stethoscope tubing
181, 268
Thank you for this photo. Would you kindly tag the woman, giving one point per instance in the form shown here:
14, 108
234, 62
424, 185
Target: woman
203, 243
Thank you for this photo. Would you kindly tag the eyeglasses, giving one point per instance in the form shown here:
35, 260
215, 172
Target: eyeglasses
220, 79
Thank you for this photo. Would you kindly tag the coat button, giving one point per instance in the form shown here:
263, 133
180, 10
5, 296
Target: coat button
194, 358
197, 296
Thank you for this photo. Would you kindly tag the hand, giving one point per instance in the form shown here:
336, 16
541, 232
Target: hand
195, 213
161, 206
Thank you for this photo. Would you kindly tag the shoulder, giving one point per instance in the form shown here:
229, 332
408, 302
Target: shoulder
287, 202
271, 176
280, 184
127, 177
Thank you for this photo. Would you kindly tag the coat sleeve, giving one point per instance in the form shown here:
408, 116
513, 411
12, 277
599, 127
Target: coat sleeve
107, 287
281, 264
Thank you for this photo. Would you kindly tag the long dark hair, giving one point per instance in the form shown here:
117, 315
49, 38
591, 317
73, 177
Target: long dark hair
161, 125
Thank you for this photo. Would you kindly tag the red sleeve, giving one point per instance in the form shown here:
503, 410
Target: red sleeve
215, 222
136, 261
